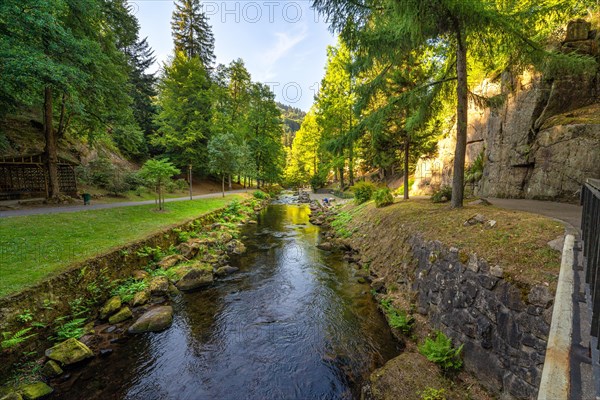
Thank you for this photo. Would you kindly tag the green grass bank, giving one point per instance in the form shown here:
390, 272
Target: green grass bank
36, 247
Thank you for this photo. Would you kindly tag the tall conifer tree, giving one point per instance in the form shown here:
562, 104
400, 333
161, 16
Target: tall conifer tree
192, 34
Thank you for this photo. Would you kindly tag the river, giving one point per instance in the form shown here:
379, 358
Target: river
293, 323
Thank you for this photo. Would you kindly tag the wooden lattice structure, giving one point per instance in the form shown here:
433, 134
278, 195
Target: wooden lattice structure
26, 177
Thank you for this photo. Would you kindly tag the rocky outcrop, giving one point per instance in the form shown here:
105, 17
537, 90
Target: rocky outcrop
155, 320
540, 139
69, 352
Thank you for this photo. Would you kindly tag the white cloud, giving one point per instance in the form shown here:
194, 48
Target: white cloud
285, 42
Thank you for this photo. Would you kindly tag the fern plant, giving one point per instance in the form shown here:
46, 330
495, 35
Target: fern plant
441, 352
71, 329
397, 318
19, 337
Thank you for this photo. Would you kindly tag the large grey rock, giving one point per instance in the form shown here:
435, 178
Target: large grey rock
195, 278
225, 270
154, 320
69, 352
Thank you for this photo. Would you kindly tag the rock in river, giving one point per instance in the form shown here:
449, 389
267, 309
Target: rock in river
159, 286
140, 298
35, 390
195, 278
110, 307
226, 270
236, 247
123, 314
69, 352
155, 320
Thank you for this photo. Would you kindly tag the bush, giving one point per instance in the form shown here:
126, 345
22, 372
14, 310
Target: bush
363, 192
443, 195
259, 194
433, 394
383, 197
396, 318
441, 352
272, 190
128, 289
318, 181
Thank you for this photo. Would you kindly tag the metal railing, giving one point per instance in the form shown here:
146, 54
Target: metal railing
590, 229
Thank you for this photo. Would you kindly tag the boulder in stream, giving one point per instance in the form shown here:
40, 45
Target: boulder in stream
159, 286
226, 270
140, 298
69, 352
111, 306
123, 314
154, 320
327, 246
51, 369
195, 278
236, 247
35, 390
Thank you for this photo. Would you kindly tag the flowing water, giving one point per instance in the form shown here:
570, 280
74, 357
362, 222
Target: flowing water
292, 324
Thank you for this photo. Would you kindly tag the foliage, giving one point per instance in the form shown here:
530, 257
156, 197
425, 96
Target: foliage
12, 340
259, 194
340, 224
25, 317
383, 197
71, 329
128, 289
443, 195
474, 172
396, 318
430, 393
225, 155
159, 172
318, 181
441, 352
192, 34
363, 191
170, 273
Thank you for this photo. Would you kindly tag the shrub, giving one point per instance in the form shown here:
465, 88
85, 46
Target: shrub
441, 352
128, 289
383, 197
273, 190
72, 329
318, 181
443, 195
259, 194
363, 192
396, 318
433, 394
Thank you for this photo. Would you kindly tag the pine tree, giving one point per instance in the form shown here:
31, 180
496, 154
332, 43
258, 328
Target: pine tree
192, 34
142, 85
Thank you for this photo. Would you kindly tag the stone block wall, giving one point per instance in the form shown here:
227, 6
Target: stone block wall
503, 326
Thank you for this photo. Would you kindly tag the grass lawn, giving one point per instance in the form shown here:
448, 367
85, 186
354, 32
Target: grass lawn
35, 247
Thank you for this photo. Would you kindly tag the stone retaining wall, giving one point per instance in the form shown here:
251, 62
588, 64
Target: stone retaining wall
503, 327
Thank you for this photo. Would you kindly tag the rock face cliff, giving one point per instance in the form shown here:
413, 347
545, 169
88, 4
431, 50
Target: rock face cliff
541, 139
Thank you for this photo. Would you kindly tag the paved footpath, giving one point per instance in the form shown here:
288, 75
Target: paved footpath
66, 209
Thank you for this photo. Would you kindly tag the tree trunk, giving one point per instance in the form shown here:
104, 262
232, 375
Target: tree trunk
50, 150
244, 182
351, 165
160, 206
341, 178
406, 150
223, 185
229, 181
461, 121
190, 179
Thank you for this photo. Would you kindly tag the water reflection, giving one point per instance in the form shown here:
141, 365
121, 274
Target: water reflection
292, 324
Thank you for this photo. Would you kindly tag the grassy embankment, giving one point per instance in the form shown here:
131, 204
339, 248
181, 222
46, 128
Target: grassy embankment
35, 247
518, 242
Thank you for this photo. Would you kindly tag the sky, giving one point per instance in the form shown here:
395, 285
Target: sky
283, 43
